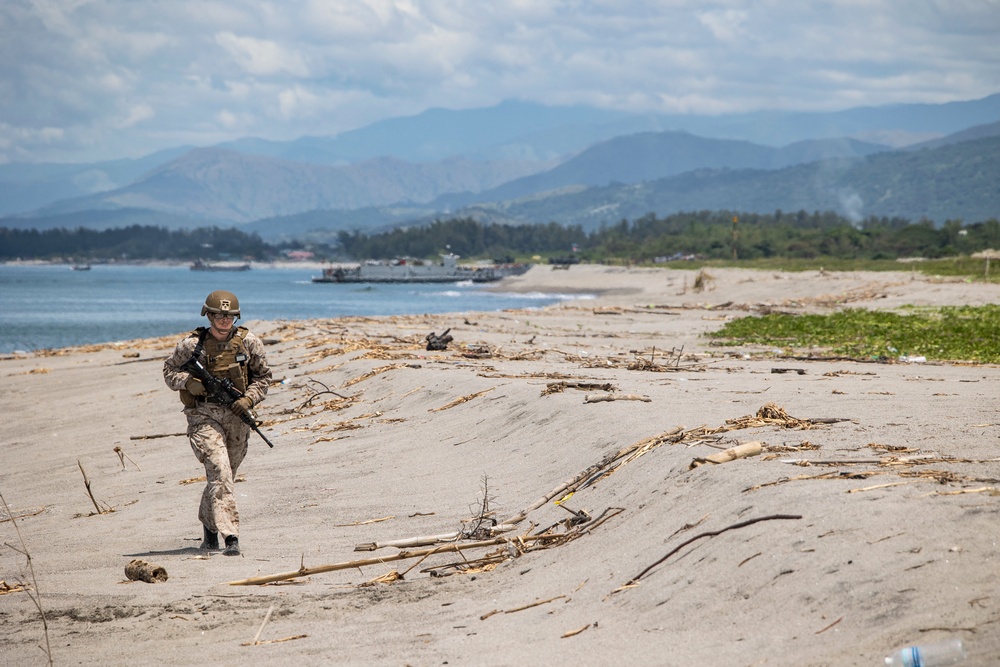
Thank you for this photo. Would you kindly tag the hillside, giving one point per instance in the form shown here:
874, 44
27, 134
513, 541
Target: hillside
957, 181
223, 186
653, 155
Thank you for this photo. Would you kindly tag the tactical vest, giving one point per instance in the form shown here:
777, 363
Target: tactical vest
223, 359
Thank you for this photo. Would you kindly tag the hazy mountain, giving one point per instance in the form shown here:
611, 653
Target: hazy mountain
652, 155
25, 187
973, 133
525, 130
957, 181
509, 130
218, 185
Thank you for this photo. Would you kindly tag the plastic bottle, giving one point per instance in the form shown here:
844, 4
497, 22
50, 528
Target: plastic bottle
949, 652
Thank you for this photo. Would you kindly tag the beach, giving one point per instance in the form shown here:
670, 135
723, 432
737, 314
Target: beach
582, 447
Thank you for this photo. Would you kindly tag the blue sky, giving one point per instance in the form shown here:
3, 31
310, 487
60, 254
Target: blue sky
85, 80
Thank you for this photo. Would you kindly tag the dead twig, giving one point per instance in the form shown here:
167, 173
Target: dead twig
267, 617
36, 597
537, 603
712, 533
573, 633
463, 399
122, 456
326, 390
86, 483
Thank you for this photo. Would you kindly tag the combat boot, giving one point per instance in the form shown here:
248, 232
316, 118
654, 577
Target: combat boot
211, 541
232, 546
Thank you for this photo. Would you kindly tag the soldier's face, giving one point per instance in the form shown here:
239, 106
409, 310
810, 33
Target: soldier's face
221, 324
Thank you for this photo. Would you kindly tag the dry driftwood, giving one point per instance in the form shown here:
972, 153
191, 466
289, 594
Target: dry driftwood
156, 435
425, 540
557, 387
402, 555
599, 398
463, 399
738, 452
140, 570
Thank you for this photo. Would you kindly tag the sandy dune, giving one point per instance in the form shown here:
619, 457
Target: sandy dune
869, 519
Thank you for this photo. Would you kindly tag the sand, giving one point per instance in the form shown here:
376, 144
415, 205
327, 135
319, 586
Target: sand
868, 520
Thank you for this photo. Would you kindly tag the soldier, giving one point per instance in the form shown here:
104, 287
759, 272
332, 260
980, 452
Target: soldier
218, 433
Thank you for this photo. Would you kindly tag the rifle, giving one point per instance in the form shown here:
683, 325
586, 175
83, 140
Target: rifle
224, 391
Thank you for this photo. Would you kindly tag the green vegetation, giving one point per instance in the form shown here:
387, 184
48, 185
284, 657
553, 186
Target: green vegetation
133, 242
777, 240
970, 333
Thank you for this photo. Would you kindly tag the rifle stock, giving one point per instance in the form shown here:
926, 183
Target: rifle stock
224, 391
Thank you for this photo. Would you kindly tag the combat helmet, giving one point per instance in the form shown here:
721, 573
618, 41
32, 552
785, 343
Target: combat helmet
221, 301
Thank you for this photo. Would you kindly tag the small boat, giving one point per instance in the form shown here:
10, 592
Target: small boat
201, 265
81, 267
408, 270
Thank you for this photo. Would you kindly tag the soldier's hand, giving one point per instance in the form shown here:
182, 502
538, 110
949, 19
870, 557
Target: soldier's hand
195, 387
241, 406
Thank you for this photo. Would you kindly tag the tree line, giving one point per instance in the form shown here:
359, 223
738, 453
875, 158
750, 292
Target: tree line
703, 234
135, 242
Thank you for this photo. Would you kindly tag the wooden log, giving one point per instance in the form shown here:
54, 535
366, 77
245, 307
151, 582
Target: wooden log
600, 398
140, 570
738, 452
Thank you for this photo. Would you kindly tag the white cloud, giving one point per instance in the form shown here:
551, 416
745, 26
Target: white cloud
262, 57
119, 79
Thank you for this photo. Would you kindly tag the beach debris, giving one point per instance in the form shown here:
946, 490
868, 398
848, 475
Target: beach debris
8, 588
634, 581
106, 509
267, 617
800, 371
536, 603
372, 373
771, 414
436, 342
140, 570
558, 387
573, 633
462, 399
365, 523
402, 555
743, 451
157, 435
387, 578
478, 352
316, 393
20, 515
599, 398
122, 456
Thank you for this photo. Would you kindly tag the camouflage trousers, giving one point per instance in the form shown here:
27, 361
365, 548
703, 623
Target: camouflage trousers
219, 440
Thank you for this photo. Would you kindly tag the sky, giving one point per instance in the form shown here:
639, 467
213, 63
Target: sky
90, 80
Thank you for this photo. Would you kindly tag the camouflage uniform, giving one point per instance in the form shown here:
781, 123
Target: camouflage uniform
218, 436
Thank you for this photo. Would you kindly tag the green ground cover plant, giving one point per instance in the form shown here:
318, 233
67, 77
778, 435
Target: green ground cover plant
954, 333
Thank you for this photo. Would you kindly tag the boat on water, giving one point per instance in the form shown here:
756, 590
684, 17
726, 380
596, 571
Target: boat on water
81, 267
408, 270
201, 265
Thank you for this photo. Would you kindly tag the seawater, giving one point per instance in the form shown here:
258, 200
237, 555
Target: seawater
52, 306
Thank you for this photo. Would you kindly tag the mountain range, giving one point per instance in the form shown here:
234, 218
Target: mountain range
523, 163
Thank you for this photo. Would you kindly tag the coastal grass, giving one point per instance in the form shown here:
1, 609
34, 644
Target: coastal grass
954, 333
